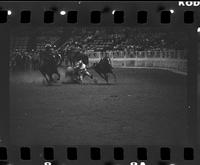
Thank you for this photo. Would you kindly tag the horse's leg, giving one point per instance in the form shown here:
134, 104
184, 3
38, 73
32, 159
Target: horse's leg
91, 76
81, 78
57, 74
51, 78
106, 77
88, 74
47, 78
101, 75
44, 74
114, 75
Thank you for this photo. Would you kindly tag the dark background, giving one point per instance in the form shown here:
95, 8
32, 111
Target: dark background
130, 9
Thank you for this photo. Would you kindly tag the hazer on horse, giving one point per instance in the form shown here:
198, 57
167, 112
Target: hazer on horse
49, 64
76, 54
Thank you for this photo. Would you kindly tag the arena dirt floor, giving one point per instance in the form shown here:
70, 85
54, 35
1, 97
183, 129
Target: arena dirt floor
143, 107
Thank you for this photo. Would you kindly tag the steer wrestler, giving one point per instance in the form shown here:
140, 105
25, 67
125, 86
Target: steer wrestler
82, 69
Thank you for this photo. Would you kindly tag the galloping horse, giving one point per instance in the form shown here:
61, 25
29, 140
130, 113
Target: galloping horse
103, 67
49, 65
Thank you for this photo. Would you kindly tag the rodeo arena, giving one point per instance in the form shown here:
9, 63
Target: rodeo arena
98, 85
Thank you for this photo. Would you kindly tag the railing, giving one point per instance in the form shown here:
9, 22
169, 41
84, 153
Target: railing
174, 60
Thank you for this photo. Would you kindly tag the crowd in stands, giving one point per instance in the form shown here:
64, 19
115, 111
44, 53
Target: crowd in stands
110, 38
97, 39
100, 39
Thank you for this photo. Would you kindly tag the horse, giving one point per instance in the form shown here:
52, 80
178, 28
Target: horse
35, 61
48, 66
103, 68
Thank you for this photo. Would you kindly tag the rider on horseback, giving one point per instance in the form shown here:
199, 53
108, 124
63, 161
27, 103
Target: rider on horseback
48, 65
106, 59
48, 53
106, 62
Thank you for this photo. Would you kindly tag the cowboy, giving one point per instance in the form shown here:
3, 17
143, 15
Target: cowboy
81, 68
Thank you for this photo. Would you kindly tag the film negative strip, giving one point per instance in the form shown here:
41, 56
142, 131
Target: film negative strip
111, 83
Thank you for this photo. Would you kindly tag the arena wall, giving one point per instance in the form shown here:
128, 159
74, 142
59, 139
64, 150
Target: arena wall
175, 61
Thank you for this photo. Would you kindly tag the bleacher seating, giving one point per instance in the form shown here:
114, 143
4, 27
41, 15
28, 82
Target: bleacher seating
20, 43
103, 39
42, 40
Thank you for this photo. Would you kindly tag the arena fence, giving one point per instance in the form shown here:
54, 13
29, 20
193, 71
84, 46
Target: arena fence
174, 60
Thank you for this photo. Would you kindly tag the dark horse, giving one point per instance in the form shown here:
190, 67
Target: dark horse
103, 67
49, 65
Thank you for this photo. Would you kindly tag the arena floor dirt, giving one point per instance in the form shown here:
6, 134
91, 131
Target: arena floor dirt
143, 107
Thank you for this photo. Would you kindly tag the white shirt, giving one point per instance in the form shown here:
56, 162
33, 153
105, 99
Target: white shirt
83, 66
80, 65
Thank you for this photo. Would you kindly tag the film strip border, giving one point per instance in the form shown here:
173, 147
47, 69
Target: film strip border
97, 153
49, 154
95, 16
